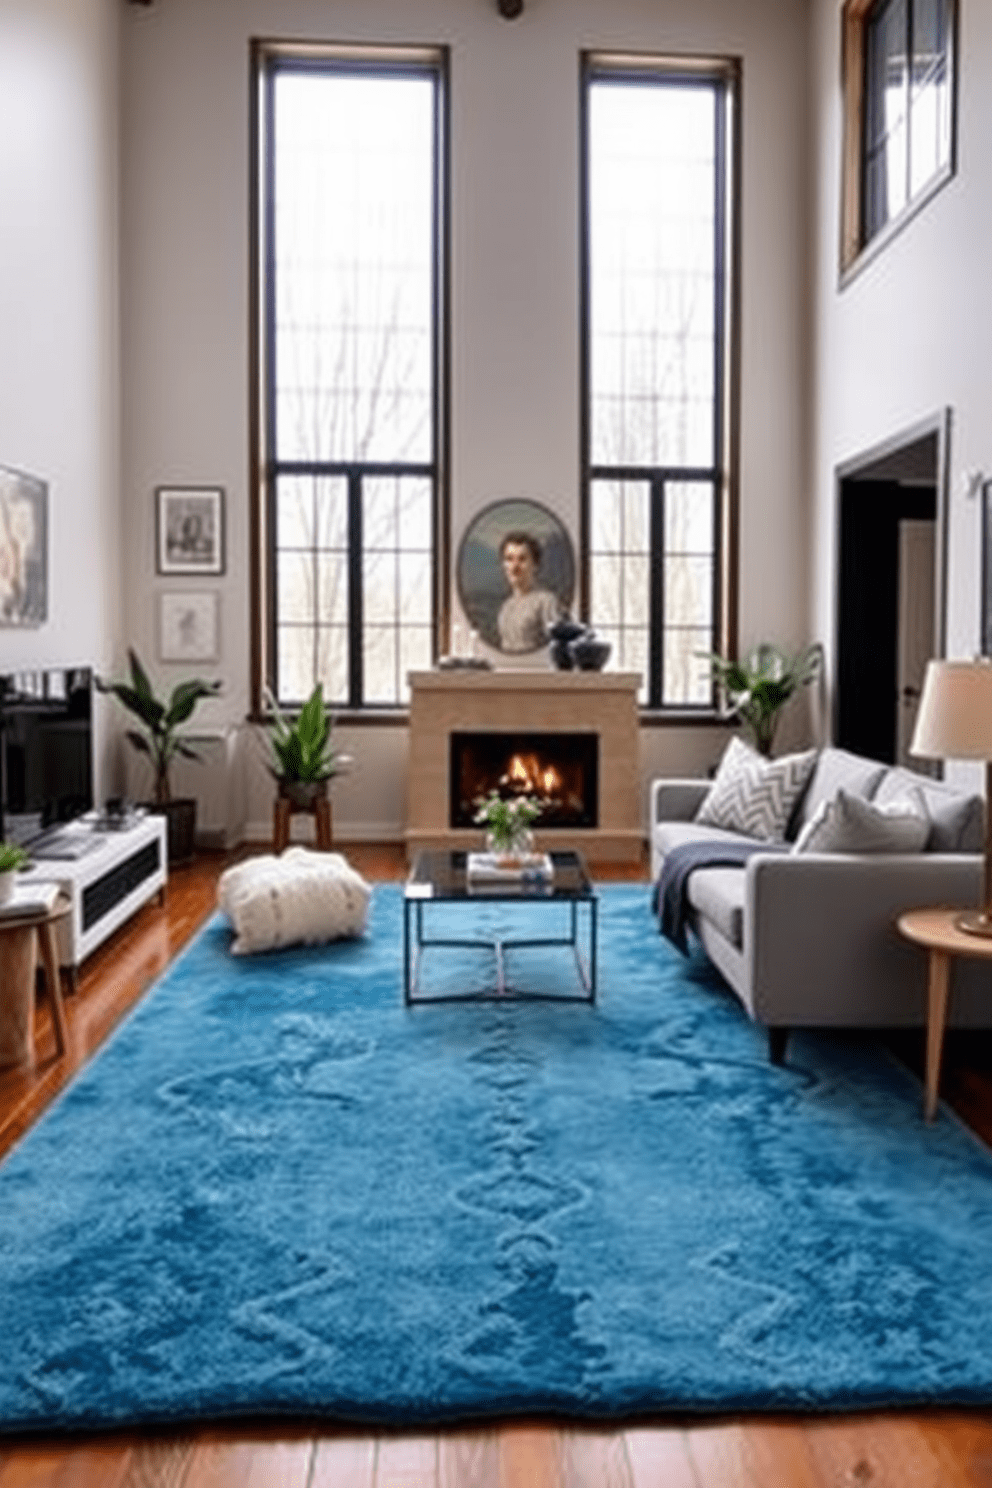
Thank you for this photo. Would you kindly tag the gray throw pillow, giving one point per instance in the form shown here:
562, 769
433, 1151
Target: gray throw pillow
754, 795
848, 824
957, 819
838, 769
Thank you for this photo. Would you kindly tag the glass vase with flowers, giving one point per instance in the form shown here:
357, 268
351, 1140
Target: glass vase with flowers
508, 825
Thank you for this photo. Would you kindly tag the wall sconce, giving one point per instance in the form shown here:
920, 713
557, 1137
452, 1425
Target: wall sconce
510, 9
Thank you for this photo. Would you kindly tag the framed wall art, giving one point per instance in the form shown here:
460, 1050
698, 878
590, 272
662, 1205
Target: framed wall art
23, 549
189, 530
516, 574
188, 626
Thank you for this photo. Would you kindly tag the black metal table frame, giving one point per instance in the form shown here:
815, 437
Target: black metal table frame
414, 946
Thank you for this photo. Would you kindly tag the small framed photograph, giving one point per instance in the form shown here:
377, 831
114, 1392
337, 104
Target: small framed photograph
189, 530
188, 628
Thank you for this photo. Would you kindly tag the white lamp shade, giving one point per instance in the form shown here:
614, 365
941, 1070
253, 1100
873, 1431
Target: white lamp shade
954, 720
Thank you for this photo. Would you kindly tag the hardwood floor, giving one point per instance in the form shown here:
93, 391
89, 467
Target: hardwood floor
939, 1449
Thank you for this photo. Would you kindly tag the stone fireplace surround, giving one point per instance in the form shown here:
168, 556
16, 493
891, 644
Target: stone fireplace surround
604, 703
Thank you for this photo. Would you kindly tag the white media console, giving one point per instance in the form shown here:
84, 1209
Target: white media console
116, 873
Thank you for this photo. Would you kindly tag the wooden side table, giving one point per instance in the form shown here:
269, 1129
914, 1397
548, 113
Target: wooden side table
284, 809
935, 930
21, 938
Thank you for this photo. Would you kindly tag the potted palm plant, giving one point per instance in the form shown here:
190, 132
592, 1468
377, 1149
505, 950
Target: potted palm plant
758, 687
160, 739
304, 758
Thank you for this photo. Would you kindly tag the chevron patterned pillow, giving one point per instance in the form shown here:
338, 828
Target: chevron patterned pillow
754, 795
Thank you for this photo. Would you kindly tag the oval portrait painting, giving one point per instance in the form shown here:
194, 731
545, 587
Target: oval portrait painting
516, 574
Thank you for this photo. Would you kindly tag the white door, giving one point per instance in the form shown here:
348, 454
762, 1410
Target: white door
916, 630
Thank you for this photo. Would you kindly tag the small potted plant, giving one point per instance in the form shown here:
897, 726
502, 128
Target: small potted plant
161, 740
12, 858
758, 687
304, 758
508, 824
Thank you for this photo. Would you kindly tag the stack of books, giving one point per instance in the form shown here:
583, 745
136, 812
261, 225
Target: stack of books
29, 898
490, 870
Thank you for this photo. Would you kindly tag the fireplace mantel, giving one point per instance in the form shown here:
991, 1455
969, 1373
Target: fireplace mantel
605, 703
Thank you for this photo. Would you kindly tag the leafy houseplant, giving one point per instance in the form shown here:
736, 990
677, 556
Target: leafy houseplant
161, 741
11, 858
758, 687
507, 823
304, 754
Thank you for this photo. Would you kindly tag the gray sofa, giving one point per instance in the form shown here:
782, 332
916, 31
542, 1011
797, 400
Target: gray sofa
809, 939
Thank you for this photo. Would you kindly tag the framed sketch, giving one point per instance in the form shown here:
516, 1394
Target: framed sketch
23, 549
986, 616
516, 574
189, 530
188, 629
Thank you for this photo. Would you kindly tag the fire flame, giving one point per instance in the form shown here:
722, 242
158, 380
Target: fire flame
527, 773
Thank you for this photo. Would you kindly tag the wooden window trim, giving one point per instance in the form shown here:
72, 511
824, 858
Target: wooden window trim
265, 55
854, 253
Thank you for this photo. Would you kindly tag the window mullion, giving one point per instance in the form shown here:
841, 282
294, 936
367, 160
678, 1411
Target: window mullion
656, 598
355, 607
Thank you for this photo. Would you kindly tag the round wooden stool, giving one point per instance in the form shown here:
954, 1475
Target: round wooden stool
21, 938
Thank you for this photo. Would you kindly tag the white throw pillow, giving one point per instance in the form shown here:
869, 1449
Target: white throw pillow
849, 824
754, 795
302, 896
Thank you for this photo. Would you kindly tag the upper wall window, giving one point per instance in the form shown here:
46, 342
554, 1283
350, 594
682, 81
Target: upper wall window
899, 113
348, 425
659, 148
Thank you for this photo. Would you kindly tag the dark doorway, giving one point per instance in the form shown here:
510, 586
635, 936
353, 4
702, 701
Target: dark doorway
886, 601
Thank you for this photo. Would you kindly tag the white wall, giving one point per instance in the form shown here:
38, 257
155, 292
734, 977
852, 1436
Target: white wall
58, 311
910, 334
515, 415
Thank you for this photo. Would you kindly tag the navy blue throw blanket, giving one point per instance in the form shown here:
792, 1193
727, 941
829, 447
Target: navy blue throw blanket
671, 899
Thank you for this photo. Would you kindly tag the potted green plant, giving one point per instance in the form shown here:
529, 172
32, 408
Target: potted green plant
758, 687
508, 823
304, 758
161, 741
12, 858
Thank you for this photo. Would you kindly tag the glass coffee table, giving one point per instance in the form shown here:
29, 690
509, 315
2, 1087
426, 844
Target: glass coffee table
439, 877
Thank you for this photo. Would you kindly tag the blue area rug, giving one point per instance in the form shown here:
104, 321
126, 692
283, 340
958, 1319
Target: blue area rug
278, 1191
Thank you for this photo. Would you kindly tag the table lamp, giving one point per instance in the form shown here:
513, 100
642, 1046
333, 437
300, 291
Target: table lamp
954, 721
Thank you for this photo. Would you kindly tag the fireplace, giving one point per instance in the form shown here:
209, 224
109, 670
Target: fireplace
527, 707
560, 769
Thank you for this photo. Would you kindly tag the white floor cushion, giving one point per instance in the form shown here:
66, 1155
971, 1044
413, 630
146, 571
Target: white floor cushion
301, 896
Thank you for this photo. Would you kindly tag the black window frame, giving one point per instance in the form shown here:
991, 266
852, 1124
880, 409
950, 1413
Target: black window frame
268, 58
724, 74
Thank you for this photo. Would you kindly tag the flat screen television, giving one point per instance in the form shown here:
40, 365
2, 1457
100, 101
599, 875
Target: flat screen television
46, 751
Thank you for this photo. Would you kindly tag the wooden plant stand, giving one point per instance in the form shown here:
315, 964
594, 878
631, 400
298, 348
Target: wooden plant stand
285, 809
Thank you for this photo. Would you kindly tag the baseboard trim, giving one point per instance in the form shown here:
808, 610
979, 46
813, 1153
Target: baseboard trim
302, 830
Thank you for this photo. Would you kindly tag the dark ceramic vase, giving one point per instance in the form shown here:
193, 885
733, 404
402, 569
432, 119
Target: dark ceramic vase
589, 653
562, 634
